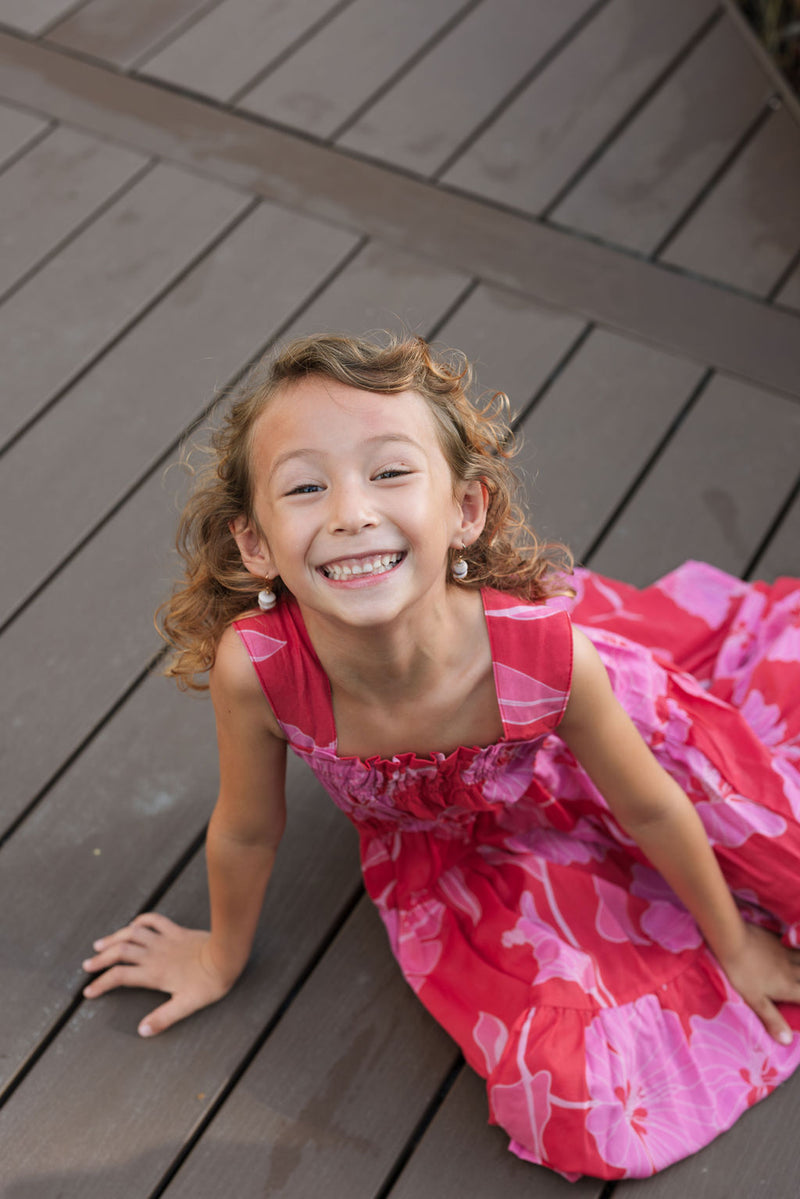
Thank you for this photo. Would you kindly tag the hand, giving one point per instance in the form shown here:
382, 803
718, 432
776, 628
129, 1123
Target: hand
763, 971
152, 951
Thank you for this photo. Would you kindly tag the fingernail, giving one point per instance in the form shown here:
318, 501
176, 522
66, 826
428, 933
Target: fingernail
785, 1037
98, 944
88, 992
145, 1030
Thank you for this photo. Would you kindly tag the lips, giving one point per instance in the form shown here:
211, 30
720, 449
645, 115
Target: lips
366, 564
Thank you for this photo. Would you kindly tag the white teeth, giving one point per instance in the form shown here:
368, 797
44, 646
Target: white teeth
368, 566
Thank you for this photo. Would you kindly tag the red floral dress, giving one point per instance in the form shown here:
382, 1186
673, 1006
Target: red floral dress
526, 920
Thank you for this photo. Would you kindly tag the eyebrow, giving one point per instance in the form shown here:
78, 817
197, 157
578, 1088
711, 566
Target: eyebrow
288, 455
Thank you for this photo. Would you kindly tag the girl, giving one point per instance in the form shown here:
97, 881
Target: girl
547, 881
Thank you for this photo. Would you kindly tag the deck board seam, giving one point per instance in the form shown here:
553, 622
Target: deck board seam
258, 1042
519, 87
698, 318
630, 115
111, 342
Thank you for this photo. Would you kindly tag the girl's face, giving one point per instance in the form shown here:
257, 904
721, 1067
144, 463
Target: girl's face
357, 501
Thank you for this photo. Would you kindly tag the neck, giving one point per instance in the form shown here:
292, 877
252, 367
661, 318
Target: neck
404, 657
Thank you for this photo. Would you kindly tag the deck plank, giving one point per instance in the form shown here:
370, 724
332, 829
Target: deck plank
790, 292
52, 189
76, 463
65, 315
587, 437
119, 32
512, 344
746, 232
105, 1112
688, 316
32, 16
17, 129
530, 152
320, 86
428, 113
382, 288
226, 49
781, 556
327, 1105
708, 496
461, 1157
652, 172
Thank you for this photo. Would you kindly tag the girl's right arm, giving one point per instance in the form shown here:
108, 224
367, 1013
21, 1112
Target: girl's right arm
198, 967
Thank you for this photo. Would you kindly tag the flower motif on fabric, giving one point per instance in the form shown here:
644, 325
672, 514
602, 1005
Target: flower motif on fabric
738, 1058
702, 591
649, 1100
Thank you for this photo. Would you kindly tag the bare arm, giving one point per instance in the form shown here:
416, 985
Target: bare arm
198, 967
654, 810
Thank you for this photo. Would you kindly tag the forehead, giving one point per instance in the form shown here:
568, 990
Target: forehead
314, 412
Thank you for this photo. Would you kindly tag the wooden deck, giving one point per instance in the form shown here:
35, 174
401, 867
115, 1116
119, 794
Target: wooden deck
597, 200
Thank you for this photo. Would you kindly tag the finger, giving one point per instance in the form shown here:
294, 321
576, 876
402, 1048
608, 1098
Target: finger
125, 952
774, 1022
155, 922
163, 1017
117, 976
133, 933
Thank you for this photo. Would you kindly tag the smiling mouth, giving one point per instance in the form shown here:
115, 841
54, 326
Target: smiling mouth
349, 568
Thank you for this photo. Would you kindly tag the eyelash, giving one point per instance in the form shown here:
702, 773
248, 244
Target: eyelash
390, 472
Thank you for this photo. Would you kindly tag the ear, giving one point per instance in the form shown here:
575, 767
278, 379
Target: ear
473, 502
253, 548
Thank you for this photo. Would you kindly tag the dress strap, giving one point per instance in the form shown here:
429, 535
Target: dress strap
290, 674
532, 656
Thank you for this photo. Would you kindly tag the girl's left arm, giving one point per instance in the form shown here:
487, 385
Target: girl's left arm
657, 814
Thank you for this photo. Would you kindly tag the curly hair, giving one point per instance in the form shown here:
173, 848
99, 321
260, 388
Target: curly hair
475, 440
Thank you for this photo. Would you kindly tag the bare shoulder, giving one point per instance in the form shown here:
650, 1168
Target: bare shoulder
234, 685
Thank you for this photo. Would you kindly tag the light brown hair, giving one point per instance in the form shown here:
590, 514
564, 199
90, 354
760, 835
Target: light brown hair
475, 440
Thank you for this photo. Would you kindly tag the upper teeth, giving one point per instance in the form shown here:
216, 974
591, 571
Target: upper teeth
366, 566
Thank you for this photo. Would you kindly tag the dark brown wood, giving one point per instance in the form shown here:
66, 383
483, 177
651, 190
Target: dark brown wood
65, 315
530, 152
225, 50
586, 439
782, 555
746, 233
657, 166
683, 315
51, 190
382, 288
437, 104
318, 87
790, 292
460, 1156
33, 16
514, 345
106, 432
119, 32
107, 1112
708, 497
330, 1101
16, 129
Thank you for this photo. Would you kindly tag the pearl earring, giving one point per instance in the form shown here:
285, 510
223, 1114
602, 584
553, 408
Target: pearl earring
459, 567
267, 598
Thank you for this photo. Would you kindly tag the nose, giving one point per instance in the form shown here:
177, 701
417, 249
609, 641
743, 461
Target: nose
351, 510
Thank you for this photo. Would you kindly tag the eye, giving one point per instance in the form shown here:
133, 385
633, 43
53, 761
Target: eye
392, 472
305, 489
